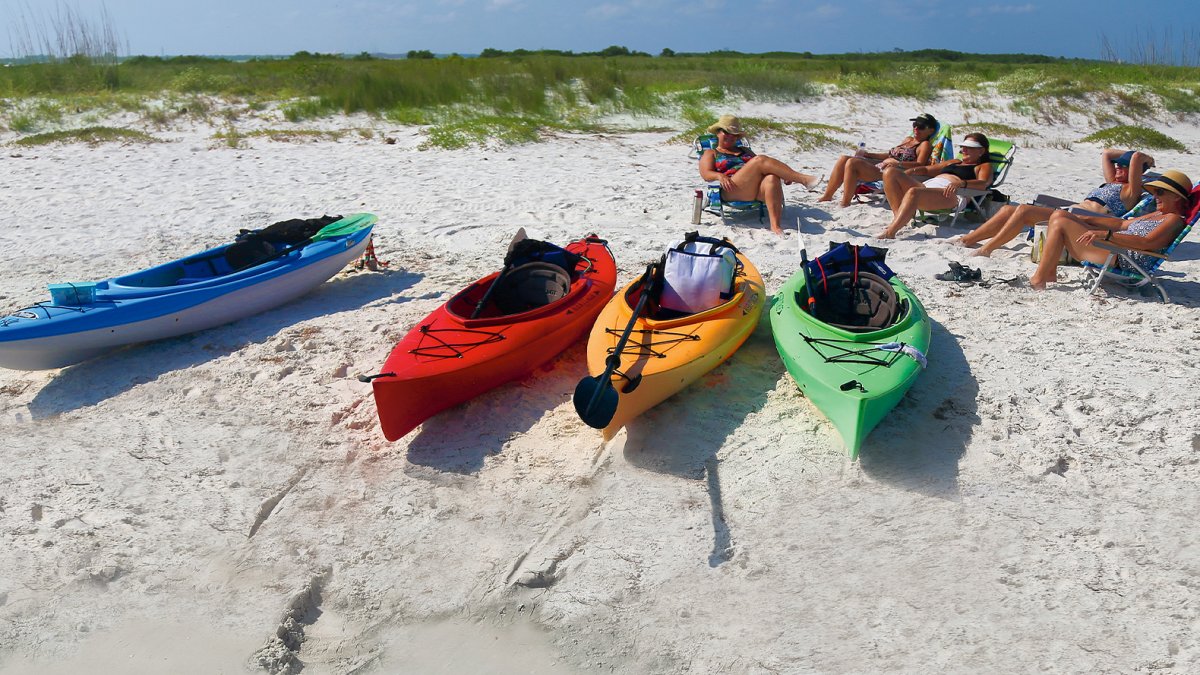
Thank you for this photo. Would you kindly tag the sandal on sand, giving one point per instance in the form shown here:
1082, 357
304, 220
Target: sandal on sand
960, 273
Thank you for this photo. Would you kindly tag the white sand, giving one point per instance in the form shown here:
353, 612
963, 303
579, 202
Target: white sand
226, 498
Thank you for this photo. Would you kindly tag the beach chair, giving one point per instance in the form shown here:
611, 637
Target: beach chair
709, 199
1142, 274
943, 149
1001, 154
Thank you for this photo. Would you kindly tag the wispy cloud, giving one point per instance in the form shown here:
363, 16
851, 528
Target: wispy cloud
607, 10
1026, 8
828, 11
502, 5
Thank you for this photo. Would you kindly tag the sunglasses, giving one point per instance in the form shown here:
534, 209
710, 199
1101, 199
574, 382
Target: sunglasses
728, 132
1158, 192
921, 127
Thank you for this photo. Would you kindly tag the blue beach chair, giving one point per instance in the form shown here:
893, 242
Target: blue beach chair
711, 194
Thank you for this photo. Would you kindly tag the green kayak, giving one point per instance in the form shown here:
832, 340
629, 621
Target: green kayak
854, 374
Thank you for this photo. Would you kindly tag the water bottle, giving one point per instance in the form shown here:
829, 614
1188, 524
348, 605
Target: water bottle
697, 207
862, 149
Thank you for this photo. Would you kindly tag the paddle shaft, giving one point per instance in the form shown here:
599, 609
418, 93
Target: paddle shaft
614, 360
812, 300
488, 294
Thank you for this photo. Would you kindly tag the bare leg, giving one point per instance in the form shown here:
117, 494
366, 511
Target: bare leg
1020, 218
748, 178
989, 228
835, 178
896, 183
1061, 233
917, 198
857, 170
770, 192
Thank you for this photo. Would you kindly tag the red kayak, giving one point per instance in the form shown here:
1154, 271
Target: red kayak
537, 310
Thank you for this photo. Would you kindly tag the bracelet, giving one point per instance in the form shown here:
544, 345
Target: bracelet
1108, 236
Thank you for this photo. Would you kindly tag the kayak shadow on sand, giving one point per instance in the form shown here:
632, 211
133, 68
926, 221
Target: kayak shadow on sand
459, 439
919, 444
682, 435
88, 383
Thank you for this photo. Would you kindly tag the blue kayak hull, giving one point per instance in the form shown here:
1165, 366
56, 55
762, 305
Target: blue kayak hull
51, 336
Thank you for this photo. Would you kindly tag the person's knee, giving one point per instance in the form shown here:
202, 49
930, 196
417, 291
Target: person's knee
771, 182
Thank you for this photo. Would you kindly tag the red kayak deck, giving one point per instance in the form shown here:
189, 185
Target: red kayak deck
448, 359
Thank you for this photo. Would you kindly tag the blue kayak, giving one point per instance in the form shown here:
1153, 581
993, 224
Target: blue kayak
186, 295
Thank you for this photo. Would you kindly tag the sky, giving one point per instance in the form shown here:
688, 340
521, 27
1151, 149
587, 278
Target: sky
1072, 28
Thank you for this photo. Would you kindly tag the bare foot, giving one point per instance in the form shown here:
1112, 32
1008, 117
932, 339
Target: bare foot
825, 199
885, 235
776, 230
980, 253
1037, 284
812, 182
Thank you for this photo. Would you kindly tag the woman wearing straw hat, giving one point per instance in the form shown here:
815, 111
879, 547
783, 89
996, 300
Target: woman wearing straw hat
1151, 232
1122, 189
745, 176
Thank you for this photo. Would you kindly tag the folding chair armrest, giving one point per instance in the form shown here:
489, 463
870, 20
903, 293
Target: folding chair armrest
970, 192
1052, 202
1117, 248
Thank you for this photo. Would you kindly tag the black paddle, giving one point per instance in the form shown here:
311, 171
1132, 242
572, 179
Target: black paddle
520, 235
595, 397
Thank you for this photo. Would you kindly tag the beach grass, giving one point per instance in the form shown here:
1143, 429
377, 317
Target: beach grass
520, 96
1125, 135
89, 135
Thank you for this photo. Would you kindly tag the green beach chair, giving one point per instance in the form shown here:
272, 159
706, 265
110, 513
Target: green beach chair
1001, 154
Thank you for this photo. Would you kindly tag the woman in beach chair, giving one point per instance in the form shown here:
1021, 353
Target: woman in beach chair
849, 170
906, 193
745, 176
1151, 232
1121, 191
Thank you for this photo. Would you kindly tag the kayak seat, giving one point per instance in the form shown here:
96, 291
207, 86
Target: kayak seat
532, 285
859, 303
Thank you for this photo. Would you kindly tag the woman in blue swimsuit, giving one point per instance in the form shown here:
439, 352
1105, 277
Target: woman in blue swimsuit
1122, 189
745, 176
1151, 232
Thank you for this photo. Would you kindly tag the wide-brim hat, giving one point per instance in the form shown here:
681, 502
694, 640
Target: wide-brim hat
1173, 181
729, 124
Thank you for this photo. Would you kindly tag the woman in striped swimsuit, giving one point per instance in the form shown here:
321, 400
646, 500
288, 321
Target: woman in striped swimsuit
1151, 232
1121, 191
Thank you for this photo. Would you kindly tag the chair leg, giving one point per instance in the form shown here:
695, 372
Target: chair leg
1108, 263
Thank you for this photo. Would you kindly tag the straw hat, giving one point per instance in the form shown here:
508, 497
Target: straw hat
729, 124
1173, 181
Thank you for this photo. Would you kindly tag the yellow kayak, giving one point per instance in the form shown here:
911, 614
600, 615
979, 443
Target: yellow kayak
666, 352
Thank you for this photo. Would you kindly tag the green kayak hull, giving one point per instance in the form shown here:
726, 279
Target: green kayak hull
855, 391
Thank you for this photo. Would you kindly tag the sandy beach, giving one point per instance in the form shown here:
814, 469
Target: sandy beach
225, 500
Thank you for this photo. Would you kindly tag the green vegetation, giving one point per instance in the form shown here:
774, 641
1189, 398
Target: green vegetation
990, 129
518, 96
1134, 137
89, 135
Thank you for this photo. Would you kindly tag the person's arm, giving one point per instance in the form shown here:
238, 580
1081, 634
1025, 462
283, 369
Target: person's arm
1157, 239
1132, 191
924, 154
708, 170
1107, 157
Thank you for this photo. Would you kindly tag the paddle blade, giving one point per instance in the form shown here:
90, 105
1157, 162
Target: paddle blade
596, 401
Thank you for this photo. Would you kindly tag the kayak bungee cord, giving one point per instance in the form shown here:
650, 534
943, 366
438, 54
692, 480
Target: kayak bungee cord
456, 353
647, 348
862, 356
